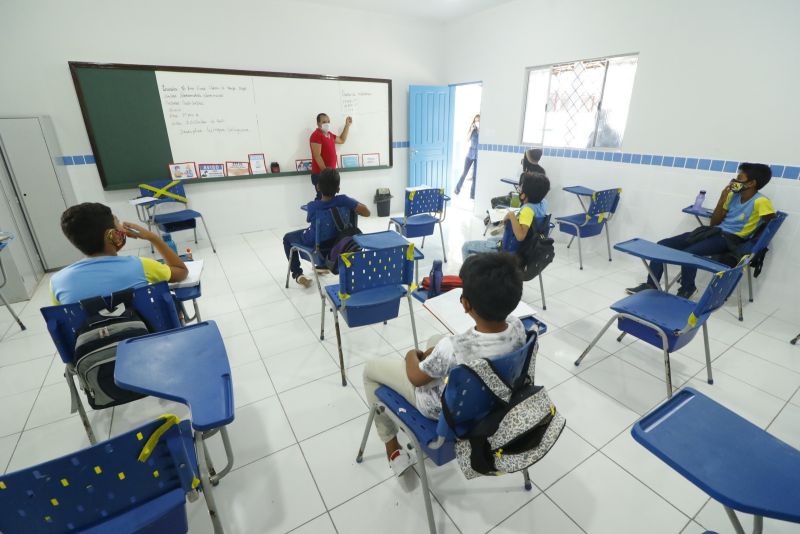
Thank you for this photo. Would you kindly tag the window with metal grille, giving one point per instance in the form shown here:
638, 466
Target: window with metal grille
582, 104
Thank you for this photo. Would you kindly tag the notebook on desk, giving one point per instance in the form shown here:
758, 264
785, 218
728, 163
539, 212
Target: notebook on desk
195, 270
447, 308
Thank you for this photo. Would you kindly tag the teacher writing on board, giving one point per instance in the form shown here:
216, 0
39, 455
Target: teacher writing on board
323, 147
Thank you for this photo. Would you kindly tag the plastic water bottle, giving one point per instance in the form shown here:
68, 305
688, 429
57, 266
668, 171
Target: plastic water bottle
170, 243
698, 202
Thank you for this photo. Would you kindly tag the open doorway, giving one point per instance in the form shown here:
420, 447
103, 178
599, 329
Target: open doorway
464, 150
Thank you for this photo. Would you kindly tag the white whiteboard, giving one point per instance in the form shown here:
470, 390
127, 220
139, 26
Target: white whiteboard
214, 118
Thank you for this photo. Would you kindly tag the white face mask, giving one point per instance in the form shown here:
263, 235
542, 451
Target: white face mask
325, 127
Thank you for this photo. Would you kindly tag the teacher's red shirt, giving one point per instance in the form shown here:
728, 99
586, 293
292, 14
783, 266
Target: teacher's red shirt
328, 144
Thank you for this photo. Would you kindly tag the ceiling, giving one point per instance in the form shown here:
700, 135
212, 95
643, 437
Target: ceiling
439, 10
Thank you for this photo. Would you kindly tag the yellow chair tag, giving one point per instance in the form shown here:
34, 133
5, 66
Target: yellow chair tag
152, 441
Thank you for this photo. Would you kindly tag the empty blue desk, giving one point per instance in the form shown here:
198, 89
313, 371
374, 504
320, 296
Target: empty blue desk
735, 462
187, 365
699, 213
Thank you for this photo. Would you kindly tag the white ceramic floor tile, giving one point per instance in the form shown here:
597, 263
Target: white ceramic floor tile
589, 326
25, 349
388, 509
786, 426
601, 497
306, 301
559, 313
796, 399
271, 314
585, 299
693, 528
651, 360
56, 439
280, 338
258, 430
251, 383
23, 376
7, 446
564, 348
259, 295
569, 451
696, 348
360, 345
713, 517
627, 384
397, 332
753, 404
331, 456
53, 404
779, 328
548, 373
15, 411
55, 375
218, 305
320, 405
765, 375
654, 473
725, 331
274, 494
139, 412
320, 525
300, 366
229, 324
774, 350
241, 349
593, 415
539, 515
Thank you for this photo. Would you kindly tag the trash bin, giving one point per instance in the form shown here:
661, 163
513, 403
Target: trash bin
383, 198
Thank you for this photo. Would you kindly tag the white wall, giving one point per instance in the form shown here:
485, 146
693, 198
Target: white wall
39, 37
715, 79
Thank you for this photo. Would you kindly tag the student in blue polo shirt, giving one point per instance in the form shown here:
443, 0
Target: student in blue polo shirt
328, 187
740, 211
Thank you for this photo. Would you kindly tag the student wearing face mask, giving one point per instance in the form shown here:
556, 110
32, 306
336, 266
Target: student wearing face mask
95, 231
472, 156
323, 146
740, 211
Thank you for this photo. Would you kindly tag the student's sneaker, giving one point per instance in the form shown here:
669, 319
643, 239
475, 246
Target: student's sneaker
400, 461
303, 280
640, 287
686, 292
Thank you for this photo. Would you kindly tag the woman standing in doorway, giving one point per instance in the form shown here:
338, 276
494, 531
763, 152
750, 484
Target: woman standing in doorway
472, 157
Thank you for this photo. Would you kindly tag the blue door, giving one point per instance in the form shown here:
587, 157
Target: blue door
429, 124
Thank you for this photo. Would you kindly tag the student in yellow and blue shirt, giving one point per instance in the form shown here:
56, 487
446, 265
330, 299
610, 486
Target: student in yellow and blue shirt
533, 189
740, 211
96, 232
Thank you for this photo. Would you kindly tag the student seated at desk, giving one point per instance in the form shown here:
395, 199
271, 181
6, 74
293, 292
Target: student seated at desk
741, 209
94, 230
530, 163
533, 189
492, 288
328, 187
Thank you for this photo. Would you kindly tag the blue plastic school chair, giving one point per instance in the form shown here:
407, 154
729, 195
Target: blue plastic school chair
136, 482
155, 305
670, 322
510, 243
735, 462
424, 209
601, 209
324, 233
371, 284
468, 401
167, 193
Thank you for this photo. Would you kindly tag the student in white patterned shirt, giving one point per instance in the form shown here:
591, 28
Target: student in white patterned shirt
492, 288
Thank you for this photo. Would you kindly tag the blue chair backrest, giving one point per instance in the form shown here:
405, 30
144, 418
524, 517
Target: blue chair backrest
154, 303
165, 190
469, 400
604, 203
93, 485
719, 289
324, 227
369, 269
510, 243
766, 235
424, 201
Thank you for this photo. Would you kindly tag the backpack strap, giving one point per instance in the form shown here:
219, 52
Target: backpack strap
528, 359
338, 221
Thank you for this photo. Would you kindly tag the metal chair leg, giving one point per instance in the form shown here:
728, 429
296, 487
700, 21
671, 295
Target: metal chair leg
372, 411
571, 239
444, 249
423, 242
620, 336
77, 404
413, 322
708, 353
195, 233
527, 477
541, 287
749, 282
226, 443
737, 526
339, 345
205, 480
795, 340
426, 494
667, 367
580, 253
209, 235
322, 322
12, 312
596, 338
739, 299
608, 241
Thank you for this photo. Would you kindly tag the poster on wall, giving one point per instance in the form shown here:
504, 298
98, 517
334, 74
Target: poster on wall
303, 165
258, 163
237, 168
350, 160
212, 170
371, 160
183, 171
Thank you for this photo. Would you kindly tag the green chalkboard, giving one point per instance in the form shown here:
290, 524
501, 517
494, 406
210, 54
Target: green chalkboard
122, 112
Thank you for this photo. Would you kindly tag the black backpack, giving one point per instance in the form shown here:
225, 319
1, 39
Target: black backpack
536, 251
343, 242
96, 347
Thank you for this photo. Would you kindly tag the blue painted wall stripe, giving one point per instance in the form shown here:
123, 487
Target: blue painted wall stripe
791, 172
